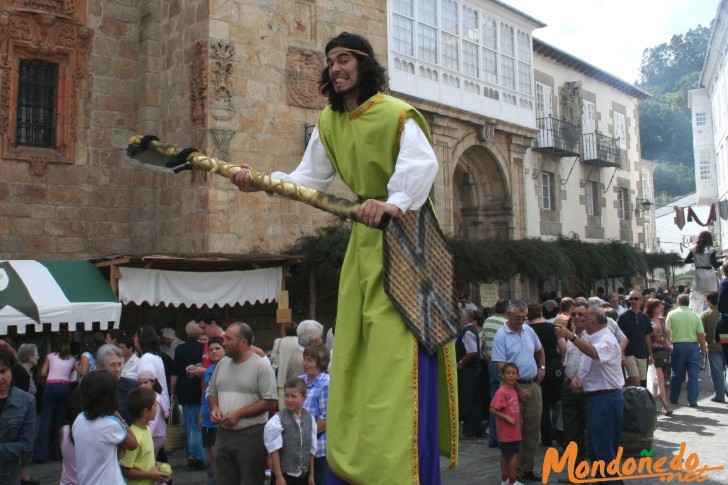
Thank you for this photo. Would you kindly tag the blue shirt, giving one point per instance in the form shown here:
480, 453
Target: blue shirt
317, 399
635, 326
509, 346
206, 421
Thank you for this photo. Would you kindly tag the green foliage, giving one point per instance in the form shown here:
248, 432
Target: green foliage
498, 260
667, 72
665, 129
663, 260
501, 259
674, 178
664, 65
327, 245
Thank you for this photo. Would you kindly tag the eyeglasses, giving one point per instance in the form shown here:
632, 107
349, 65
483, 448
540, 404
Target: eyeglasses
635, 298
578, 314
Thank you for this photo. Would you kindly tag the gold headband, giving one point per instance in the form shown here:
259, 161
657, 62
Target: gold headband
337, 50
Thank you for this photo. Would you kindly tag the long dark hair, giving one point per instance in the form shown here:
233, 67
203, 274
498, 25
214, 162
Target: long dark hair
372, 75
64, 350
704, 240
73, 409
148, 340
99, 395
91, 343
8, 358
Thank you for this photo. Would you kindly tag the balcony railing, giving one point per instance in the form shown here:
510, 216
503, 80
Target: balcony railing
600, 150
557, 137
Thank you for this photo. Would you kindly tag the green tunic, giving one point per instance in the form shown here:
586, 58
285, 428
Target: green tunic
372, 414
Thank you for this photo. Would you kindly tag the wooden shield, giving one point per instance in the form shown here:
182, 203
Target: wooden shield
419, 278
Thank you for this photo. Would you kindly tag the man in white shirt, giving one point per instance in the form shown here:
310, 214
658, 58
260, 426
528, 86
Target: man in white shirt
468, 355
600, 378
126, 345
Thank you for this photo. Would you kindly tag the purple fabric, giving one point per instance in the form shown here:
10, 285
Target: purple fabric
428, 442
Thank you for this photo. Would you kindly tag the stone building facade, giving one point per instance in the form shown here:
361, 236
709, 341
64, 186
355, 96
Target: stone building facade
238, 79
709, 114
585, 169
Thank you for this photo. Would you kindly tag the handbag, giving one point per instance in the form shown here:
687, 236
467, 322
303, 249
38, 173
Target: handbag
652, 382
662, 357
176, 436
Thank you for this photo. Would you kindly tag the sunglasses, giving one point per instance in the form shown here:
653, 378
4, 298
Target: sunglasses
635, 299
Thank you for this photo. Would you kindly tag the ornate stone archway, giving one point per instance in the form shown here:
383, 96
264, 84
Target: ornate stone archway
482, 202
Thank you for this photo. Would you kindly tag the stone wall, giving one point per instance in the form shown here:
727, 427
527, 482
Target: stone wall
212, 74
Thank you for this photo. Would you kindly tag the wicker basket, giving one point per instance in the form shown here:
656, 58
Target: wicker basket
176, 436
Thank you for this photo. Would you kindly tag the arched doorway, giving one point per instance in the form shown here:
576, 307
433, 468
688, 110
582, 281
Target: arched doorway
482, 205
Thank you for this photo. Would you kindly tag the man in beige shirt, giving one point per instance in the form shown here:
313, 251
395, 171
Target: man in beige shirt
241, 392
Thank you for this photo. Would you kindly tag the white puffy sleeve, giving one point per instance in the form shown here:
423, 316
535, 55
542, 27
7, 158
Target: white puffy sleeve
414, 170
315, 170
273, 434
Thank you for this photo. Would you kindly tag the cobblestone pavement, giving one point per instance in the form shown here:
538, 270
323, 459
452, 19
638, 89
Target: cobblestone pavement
703, 429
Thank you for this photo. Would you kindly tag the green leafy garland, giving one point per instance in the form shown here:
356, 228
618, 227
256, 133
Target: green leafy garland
498, 260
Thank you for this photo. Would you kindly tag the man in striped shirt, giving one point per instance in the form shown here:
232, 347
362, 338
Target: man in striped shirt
490, 327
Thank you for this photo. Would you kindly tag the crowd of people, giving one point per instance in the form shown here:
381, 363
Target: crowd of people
104, 409
545, 373
553, 372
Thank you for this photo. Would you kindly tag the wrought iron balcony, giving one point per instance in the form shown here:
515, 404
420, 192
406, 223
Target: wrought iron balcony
600, 150
557, 137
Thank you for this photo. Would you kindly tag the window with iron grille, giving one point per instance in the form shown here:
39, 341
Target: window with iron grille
36, 108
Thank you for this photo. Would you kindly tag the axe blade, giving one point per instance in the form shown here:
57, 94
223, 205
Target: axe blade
148, 158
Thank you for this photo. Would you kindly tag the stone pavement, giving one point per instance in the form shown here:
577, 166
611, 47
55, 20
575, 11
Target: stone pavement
703, 429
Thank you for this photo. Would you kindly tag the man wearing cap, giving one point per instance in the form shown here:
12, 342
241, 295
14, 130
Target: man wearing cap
384, 386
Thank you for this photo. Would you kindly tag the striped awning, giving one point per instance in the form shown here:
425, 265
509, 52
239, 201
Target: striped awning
34, 293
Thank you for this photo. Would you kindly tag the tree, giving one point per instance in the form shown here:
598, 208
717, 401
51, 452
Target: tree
667, 72
665, 129
674, 178
664, 65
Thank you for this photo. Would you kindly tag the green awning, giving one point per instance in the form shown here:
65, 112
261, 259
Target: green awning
55, 292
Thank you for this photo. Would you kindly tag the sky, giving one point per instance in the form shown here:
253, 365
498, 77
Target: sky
612, 34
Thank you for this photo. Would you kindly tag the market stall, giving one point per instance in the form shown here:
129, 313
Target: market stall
37, 293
